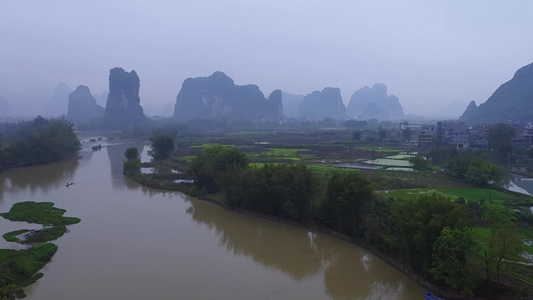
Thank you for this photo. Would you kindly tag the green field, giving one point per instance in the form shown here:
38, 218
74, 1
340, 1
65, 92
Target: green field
294, 154
378, 149
475, 195
261, 165
401, 156
389, 162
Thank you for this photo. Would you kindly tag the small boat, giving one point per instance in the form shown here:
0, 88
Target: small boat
431, 296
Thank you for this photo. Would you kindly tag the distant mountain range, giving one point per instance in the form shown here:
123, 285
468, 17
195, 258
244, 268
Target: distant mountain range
323, 104
218, 97
374, 103
513, 100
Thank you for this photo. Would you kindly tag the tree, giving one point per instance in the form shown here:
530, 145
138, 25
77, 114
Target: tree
407, 133
356, 135
131, 153
453, 261
472, 168
382, 133
418, 222
212, 161
419, 163
481, 172
503, 242
132, 165
501, 140
162, 146
348, 195
280, 190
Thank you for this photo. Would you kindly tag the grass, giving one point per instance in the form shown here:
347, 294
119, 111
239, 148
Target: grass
389, 162
286, 154
12, 236
476, 195
409, 193
401, 156
19, 268
38, 212
188, 158
204, 145
261, 165
37, 236
528, 236
291, 152
473, 194
378, 149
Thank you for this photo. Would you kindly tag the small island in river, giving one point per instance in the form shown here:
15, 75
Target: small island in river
20, 268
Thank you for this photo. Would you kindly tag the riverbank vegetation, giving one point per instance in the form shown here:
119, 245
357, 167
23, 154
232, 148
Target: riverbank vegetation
427, 218
19, 268
37, 141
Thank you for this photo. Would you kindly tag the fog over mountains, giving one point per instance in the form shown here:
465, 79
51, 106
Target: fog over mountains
428, 54
217, 96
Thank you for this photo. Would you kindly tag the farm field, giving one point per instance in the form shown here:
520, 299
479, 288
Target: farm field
472, 194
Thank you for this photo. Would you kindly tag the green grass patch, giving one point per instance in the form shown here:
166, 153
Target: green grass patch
480, 234
261, 165
476, 195
326, 170
19, 268
12, 236
290, 152
378, 149
38, 212
410, 193
188, 158
36, 236
389, 162
401, 156
527, 235
204, 145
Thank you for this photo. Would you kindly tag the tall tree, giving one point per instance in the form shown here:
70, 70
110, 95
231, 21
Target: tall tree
453, 259
162, 146
501, 140
503, 242
348, 194
418, 222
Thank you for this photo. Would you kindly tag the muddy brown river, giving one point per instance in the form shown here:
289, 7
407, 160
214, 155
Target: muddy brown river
134, 242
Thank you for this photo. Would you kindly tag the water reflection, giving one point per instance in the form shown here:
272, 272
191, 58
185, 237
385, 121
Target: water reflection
39, 178
273, 245
115, 154
349, 272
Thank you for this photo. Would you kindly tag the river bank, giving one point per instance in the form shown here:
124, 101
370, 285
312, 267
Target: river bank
434, 289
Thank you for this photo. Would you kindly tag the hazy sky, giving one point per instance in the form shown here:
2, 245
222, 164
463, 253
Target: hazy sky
429, 53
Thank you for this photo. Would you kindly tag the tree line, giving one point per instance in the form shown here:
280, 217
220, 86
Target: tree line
432, 234
37, 141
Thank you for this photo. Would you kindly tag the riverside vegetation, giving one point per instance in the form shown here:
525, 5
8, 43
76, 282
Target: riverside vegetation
27, 143
436, 234
20, 268
37, 141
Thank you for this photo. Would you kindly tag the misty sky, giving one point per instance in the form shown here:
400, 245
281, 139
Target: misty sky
429, 53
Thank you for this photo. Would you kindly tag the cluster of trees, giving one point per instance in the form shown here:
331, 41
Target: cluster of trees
290, 191
38, 141
432, 234
132, 165
473, 167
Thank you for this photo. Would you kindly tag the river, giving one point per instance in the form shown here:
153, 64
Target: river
134, 242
